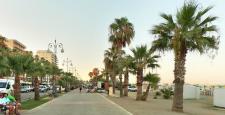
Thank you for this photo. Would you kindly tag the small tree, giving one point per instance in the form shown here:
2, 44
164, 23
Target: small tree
153, 81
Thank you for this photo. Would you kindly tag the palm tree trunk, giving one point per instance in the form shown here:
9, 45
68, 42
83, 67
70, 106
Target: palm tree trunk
36, 89
179, 73
145, 95
41, 80
67, 87
17, 88
60, 89
1, 76
121, 85
126, 81
114, 84
54, 92
107, 84
32, 79
139, 83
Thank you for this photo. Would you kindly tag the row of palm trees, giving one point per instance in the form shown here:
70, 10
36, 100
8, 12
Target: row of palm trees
22, 63
190, 30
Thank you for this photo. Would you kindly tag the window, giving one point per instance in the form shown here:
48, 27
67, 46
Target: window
2, 84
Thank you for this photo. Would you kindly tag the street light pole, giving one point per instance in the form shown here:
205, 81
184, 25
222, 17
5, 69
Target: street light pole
67, 62
55, 46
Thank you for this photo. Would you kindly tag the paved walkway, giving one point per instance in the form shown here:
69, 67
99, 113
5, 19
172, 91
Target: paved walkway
75, 103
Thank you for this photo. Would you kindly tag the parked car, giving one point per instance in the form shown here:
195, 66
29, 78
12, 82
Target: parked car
43, 88
29, 88
132, 88
100, 90
24, 89
6, 85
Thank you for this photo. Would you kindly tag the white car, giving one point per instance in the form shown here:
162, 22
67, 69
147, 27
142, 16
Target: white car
132, 88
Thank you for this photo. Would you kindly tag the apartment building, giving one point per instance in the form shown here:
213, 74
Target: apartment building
47, 55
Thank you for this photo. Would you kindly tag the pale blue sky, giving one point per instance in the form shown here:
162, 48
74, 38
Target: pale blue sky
82, 26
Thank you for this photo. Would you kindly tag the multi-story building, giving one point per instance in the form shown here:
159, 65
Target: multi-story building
47, 55
15, 45
2, 41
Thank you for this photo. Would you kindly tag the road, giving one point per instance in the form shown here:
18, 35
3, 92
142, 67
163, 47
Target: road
30, 95
74, 103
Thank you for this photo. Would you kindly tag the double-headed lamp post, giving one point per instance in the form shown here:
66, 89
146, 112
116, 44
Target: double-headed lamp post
54, 46
68, 63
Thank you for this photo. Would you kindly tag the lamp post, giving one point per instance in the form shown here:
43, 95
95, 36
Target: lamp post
67, 62
55, 46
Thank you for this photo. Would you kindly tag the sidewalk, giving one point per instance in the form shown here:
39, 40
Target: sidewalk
75, 103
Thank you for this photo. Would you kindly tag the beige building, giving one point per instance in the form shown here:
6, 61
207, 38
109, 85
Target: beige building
14, 44
47, 55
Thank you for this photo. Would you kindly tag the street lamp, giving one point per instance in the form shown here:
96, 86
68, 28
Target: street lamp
55, 46
67, 62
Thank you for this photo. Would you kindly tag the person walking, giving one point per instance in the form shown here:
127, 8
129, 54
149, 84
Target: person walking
80, 88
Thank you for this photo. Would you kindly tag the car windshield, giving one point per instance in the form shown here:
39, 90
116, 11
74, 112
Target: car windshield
2, 84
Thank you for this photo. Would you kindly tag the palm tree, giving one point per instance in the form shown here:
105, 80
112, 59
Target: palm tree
190, 31
121, 33
127, 64
67, 78
18, 64
37, 69
153, 81
142, 57
118, 69
105, 73
4, 67
113, 64
54, 71
109, 61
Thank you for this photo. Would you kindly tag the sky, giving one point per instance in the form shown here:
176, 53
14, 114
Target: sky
82, 27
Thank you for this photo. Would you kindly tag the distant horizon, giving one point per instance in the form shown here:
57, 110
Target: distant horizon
82, 27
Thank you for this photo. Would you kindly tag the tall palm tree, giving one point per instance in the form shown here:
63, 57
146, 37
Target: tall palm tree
153, 81
19, 63
142, 58
121, 33
189, 31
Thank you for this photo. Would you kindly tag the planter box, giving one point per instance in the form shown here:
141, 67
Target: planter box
191, 92
219, 97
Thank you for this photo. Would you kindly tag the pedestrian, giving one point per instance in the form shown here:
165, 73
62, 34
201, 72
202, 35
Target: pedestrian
80, 88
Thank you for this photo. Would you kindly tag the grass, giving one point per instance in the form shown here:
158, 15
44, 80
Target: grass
30, 104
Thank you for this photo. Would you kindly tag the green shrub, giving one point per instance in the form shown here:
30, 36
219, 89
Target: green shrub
158, 93
155, 97
167, 93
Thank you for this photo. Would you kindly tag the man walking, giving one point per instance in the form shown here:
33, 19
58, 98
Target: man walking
80, 88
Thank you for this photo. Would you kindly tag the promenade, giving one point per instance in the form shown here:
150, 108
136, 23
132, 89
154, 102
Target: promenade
75, 103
